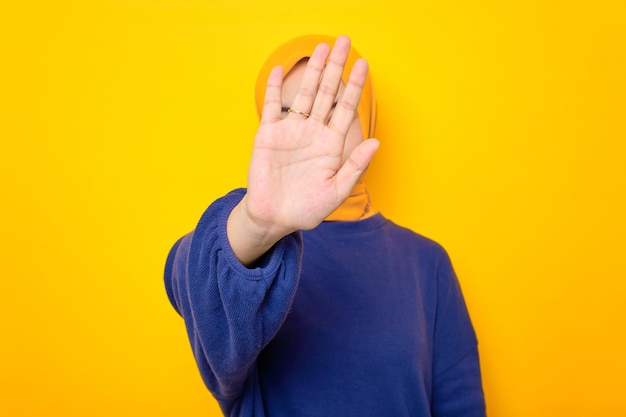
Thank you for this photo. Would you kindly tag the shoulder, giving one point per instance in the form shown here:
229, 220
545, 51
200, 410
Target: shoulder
407, 240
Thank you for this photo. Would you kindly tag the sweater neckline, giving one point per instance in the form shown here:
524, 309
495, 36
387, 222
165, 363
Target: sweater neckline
364, 225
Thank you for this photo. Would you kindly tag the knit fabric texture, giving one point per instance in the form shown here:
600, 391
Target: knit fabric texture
362, 318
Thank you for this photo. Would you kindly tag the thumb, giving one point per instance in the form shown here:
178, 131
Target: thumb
356, 164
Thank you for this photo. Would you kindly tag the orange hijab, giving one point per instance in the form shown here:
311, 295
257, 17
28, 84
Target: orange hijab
357, 206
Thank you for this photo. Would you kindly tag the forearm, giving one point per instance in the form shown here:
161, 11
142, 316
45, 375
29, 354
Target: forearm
231, 312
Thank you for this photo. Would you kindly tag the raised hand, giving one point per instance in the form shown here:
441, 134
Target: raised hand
298, 174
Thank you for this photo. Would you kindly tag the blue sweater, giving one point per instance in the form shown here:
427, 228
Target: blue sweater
360, 318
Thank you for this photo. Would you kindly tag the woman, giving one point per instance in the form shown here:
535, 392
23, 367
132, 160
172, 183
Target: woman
298, 297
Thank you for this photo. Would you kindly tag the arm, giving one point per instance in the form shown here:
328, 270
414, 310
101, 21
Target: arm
297, 176
457, 391
457, 386
231, 312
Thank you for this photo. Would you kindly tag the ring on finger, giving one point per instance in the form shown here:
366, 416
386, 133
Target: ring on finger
298, 112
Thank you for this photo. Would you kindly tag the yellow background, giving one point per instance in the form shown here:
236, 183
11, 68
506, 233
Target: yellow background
502, 126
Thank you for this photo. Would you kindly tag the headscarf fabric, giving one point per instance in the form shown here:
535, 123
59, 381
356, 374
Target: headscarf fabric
357, 206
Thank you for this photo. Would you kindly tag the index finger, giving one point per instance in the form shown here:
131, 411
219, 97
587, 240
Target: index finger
347, 105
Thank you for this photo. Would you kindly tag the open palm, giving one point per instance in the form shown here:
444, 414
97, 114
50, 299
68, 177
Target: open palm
297, 173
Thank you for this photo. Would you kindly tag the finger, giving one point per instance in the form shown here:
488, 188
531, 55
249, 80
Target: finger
347, 105
356, 164
303, 101
272, 105
331, 78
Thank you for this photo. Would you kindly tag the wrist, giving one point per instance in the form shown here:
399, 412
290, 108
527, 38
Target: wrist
250, 237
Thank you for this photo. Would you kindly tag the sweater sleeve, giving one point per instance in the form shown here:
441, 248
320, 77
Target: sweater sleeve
230, 312
457, 385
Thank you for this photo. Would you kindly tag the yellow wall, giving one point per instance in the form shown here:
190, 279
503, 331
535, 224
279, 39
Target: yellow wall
503, 130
